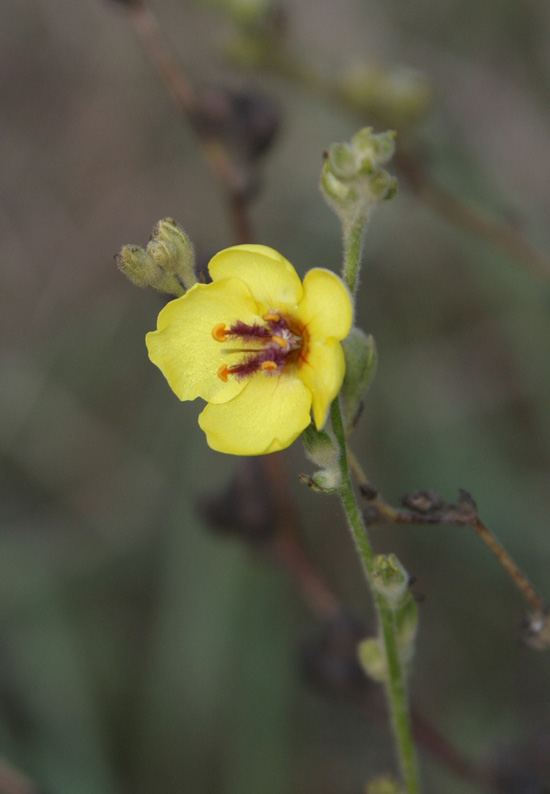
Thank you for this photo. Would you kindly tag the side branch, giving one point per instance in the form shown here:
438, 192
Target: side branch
427, 507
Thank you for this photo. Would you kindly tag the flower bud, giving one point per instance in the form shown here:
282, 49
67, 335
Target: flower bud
336, 193
372, 658
323, 481
167, 264
361, 362
327, 480
342, 160
320, 446
136, 265
390, 579
373, 150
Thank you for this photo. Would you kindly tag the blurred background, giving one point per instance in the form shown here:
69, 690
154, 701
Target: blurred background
141, 650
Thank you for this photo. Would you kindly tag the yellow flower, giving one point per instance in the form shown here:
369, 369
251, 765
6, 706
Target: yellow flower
259, 346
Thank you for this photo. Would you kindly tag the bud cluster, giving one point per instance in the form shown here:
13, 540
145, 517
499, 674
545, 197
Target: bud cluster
353, 179
167, 264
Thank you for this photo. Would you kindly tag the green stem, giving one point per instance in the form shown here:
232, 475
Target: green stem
353, 242
396, 689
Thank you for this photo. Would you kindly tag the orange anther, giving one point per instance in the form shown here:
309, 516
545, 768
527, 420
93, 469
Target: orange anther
223, 373
279, 341
269, 366
218, 332
272, 317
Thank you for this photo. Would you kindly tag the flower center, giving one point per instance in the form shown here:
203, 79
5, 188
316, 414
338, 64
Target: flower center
272, 346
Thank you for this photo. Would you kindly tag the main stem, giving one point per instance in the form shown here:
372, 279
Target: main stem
396, 688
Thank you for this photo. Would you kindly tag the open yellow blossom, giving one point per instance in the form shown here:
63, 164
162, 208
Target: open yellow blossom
259, 346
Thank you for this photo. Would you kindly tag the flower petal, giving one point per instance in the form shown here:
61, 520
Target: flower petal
271, 278
183, 346
326, 308
322, 372
267, 416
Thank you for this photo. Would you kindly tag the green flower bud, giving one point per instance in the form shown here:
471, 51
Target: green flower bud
372, 658
383, 186
175, 252
322, 481
361, 362
327, 480
161, 252
136, 265
375, 150
320, 446
338, 194
341, 160
167, 264
390, 579
322, 449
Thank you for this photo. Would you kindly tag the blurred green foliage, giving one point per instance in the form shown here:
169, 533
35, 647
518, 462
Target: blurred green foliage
139, 651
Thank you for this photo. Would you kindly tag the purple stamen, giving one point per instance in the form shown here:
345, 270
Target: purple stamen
270, 351
249, 332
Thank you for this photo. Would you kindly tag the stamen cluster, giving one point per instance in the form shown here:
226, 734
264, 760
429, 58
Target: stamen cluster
277, 343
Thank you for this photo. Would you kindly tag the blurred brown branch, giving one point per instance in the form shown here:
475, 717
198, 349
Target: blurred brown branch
508, 239
234, 179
